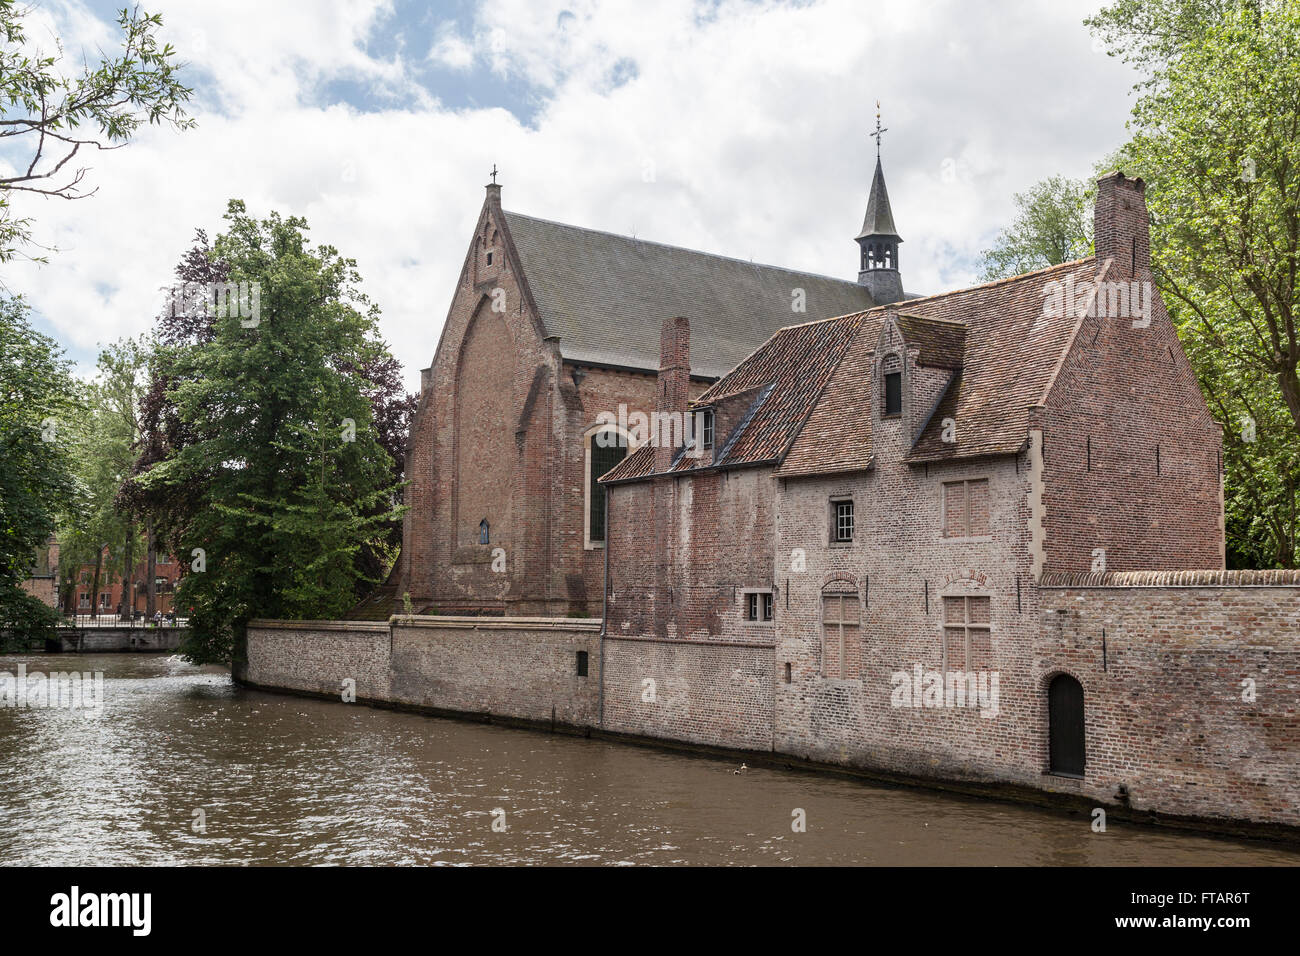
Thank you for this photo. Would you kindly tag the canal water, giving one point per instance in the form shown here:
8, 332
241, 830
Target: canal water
183, 767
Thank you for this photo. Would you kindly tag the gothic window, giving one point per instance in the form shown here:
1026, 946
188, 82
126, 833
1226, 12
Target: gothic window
841, 635
608, 448
484, 532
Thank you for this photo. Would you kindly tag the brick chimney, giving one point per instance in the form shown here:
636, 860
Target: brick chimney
674, 389
1123, 231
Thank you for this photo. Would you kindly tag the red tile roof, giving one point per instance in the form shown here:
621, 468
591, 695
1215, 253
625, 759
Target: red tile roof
787, 373
815, 419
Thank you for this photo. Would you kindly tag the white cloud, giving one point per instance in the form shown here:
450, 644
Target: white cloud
753, 117
451, 49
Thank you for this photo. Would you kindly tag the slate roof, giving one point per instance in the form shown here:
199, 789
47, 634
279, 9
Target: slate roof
606, 296
1003, 352
879, 220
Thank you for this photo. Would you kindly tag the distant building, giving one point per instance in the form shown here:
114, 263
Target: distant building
110, 598
43, 583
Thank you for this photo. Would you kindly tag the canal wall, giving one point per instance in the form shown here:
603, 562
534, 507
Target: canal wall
1191, 694
114, 640
1191, 689
713, 693
533, 670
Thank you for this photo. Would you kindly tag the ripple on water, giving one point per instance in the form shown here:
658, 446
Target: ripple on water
286, 780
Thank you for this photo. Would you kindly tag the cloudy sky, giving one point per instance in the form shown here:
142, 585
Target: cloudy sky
736, 127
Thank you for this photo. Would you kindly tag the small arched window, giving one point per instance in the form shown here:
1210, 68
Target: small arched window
484, 532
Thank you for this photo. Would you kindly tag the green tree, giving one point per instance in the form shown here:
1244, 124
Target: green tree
51, 116
1053, 224
36, 393
104, 433
1217, 136
275, 477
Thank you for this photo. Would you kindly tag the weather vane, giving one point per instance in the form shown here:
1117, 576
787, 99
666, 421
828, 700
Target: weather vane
494, 165
879, 130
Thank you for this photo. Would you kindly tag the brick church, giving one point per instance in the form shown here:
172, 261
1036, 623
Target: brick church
552, 330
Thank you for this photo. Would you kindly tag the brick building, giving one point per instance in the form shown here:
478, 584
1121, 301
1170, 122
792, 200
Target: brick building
43, 583
550, 346
869, 559
115, 596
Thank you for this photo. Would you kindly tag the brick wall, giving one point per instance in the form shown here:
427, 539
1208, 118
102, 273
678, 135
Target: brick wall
1163, 692
519, 668
900, 567
1132, 457
317, 656
512, 667
710, 693
684, 551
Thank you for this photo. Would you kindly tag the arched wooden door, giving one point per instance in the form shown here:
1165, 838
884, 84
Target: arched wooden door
1065, 725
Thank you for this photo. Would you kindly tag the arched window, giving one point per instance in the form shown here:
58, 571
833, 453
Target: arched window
841, 633
606, 447
484, 532
1065, 730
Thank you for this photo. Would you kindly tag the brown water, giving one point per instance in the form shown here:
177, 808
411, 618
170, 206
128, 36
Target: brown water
287, 780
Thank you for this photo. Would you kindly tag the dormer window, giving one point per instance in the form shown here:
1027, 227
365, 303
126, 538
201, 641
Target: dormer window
891, 387
699, 425
894, 393
489, 257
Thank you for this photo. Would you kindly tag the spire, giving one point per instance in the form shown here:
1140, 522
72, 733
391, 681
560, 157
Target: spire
879, 220
879, 238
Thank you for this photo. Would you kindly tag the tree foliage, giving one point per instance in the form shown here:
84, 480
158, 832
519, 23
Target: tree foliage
1217, 136
49, 115
1053, 224
262, 461
36, 396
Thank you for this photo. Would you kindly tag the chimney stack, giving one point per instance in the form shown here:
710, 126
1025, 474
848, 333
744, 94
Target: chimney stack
674, 390
1122, 228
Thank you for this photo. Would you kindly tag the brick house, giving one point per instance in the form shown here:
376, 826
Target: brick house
112, 598
43, 582
551, 344
893, 504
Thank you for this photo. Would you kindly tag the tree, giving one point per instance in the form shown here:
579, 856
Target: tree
36, 392
49, 116
1217, 136
1053, 224
262, 461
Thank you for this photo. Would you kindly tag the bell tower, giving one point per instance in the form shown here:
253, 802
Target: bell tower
879, 238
